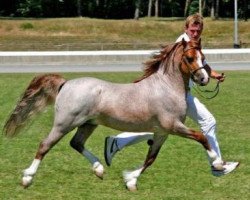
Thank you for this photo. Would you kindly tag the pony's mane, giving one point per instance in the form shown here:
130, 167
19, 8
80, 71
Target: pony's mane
151, 66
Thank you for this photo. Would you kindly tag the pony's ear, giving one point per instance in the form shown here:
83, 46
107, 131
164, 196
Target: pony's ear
199, 42
183, 42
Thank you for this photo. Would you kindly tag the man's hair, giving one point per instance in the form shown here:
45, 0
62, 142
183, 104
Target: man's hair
196, 19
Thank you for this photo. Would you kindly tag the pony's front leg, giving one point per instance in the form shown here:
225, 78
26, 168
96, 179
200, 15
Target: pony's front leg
130, 177
183, 131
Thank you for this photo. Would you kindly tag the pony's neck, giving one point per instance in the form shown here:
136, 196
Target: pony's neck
174, 78
186, 80
173, 73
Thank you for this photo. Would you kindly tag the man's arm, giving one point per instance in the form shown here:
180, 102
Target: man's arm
213, 74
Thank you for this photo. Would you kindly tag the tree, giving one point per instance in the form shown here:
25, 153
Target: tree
217, 5
30, 8
120, 9
215, 9
174, 8
8, 7
212, 10
156, 8
245, 9
187, 4
194, 7
150, 7
137, 9
156, 4
79, 8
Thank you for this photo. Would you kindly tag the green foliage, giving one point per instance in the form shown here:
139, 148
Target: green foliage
181, 170
30, 8
27, 25
194, 7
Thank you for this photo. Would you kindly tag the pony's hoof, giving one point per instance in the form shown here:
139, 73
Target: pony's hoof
26, 181
99, 175
130, 178
131, 186
98, 170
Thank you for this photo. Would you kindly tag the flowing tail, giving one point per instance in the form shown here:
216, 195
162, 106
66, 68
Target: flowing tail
41, 92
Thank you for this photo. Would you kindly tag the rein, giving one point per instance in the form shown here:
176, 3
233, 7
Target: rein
216, 90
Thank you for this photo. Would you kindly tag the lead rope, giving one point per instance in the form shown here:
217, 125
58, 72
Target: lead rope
215, 91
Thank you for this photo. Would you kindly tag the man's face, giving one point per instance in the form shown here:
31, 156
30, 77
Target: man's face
194, 31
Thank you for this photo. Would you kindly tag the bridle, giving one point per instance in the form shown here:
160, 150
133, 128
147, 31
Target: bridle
198, 89
192, 72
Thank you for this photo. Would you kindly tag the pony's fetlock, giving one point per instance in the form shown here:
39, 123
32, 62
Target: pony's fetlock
32, 169
29, 172
130, 180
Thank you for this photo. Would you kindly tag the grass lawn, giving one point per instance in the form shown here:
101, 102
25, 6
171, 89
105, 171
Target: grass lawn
96, 34
181, 170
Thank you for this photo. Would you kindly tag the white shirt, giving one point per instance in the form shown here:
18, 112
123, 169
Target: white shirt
183, 36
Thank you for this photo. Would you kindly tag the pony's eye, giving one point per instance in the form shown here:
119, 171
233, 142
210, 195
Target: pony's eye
190, 59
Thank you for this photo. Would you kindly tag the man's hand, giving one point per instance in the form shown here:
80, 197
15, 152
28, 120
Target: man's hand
220, 77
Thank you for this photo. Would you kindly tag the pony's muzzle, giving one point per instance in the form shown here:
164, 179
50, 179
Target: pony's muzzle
200, 77
204, 81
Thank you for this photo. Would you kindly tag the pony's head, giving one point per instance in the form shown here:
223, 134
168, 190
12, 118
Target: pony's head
193, 62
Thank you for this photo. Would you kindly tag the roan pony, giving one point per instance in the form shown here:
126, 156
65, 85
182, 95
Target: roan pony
154, 103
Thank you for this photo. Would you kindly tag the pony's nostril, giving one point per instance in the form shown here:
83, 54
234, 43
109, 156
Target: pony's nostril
202, 80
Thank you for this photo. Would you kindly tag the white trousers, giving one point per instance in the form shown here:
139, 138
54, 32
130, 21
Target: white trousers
196, 111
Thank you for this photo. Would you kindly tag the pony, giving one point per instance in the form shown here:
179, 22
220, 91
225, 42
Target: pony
156, 102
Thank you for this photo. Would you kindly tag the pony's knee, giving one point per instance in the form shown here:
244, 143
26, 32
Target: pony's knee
76, 145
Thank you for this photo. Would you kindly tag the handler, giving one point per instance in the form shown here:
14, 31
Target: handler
195, 110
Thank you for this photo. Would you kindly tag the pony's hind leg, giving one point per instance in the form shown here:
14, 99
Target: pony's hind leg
130, 177
78, 141
28, 174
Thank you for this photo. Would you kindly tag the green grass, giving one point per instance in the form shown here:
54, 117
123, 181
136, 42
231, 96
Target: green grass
95, 34
181, 170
